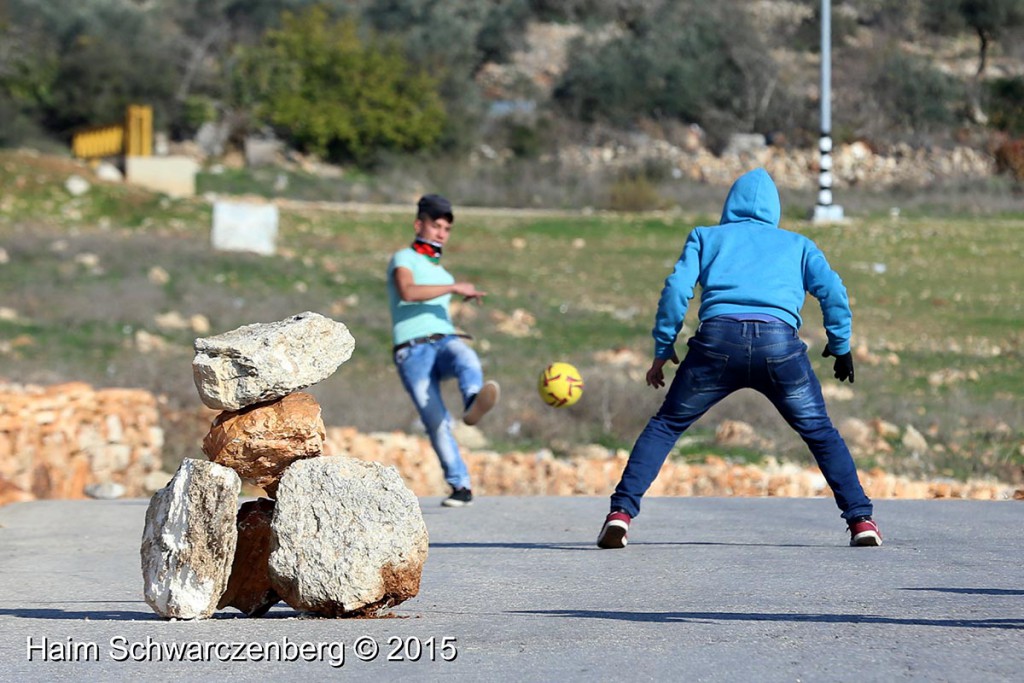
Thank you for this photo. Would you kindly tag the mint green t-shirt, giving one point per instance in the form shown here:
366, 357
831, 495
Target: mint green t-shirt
412, 319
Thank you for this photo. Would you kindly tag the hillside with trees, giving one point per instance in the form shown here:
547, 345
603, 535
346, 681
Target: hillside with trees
368, 83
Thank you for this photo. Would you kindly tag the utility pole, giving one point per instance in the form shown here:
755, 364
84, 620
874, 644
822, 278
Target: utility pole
825, 211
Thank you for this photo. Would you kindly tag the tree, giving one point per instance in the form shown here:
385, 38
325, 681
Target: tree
317, 83
66, 65
991, 20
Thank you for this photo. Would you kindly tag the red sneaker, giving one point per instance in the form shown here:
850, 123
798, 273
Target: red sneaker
864, 531
613, 533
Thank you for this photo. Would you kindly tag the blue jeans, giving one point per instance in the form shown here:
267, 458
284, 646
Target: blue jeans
728, 355
422, 368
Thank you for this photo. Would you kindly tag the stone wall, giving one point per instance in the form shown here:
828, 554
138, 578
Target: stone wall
595, 474
853, 164
59, 441
62, 441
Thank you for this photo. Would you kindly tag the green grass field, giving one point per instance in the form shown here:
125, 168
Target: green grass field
936, 302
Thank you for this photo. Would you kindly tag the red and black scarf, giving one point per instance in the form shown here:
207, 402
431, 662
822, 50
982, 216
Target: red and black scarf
432, 250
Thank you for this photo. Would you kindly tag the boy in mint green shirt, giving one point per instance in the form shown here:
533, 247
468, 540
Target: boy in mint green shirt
427, 350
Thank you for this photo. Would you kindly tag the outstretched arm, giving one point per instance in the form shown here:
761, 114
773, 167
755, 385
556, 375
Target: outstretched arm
408, 290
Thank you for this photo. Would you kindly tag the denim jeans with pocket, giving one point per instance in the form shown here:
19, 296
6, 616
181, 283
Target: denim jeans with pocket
727, 355
422, 368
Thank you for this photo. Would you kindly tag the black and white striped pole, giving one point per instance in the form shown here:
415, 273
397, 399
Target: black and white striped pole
825, 211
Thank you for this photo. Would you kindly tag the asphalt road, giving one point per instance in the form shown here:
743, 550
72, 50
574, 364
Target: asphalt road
709, 589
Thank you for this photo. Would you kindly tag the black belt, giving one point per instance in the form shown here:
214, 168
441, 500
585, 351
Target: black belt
425, 340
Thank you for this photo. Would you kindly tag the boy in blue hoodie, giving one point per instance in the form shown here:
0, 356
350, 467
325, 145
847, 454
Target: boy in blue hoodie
753, 277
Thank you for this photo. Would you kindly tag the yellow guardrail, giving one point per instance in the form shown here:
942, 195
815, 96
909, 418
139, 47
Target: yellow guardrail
133, 138
101, 141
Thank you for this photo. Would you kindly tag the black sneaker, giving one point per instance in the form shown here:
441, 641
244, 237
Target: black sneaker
459, 498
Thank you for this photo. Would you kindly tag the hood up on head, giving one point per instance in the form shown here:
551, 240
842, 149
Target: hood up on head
753, 197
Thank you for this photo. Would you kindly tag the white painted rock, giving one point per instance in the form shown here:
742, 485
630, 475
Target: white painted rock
267, 361
189, 540
348, 537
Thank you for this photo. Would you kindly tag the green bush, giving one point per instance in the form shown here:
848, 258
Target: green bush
567, 11
453, 39
117, 55
320, 85
690, 61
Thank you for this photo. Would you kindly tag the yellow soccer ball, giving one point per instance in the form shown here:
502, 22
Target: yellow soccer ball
560, 385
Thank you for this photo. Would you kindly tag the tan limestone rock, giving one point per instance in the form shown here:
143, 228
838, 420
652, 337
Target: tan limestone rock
349, 538
261, 441
189, 540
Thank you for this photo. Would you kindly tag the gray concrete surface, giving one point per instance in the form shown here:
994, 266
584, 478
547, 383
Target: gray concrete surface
708, 590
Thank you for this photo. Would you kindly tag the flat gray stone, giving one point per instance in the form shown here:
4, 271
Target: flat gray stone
267, 361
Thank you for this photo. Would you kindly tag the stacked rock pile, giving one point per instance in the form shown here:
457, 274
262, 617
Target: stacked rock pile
338, 536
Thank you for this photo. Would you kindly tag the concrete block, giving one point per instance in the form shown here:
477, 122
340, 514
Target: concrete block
262, 152
174, 175
238, 226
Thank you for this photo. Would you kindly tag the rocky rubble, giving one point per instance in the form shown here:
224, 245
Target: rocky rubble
48, 434
338, 537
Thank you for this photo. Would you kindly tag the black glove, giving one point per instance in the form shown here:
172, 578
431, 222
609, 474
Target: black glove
843, 366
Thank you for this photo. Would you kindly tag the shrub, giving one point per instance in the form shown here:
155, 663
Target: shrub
689, 61
320, 85
679, 76
913, 95
634, 192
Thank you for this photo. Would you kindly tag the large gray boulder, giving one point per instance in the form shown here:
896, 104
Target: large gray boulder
189, 540
348, 537
267, 361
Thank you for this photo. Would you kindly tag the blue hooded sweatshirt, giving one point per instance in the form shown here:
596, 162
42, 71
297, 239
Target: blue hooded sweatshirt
748, 264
